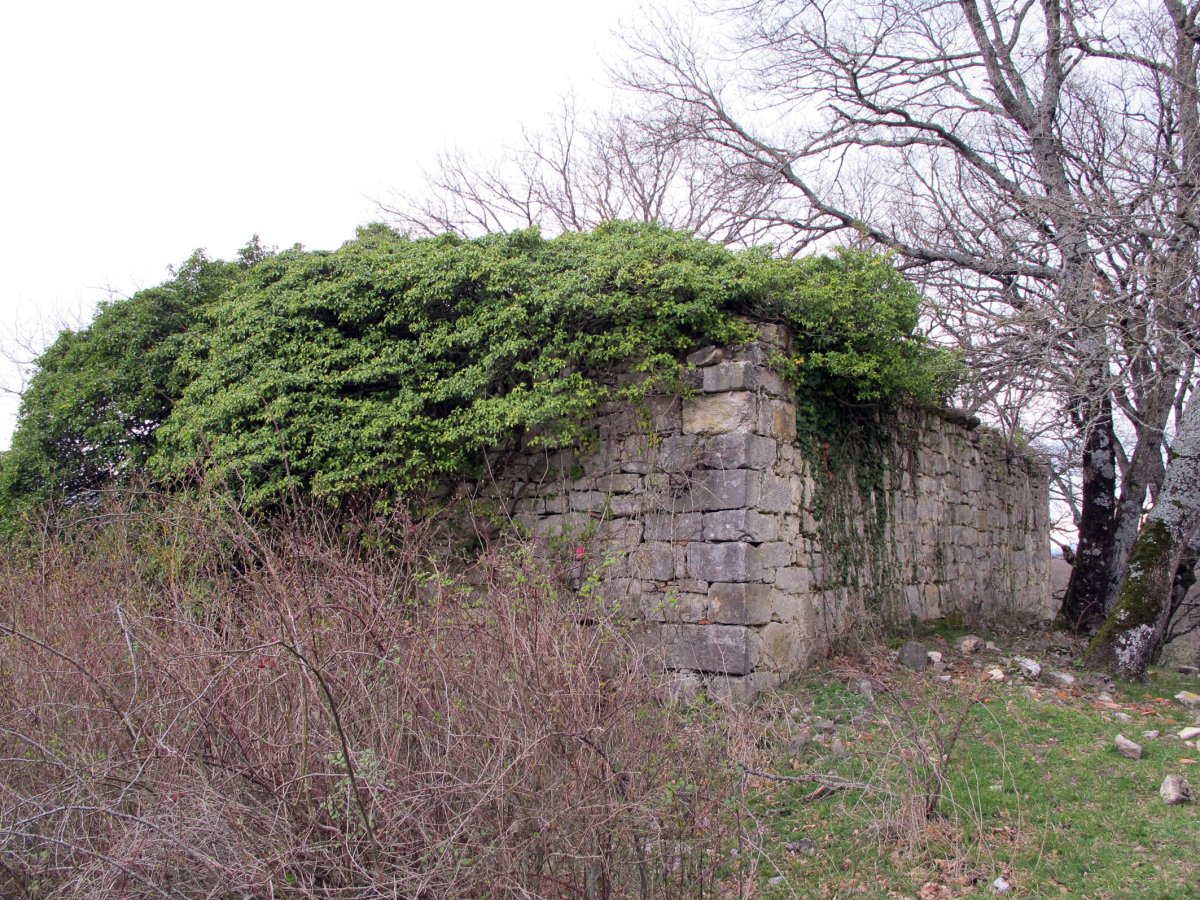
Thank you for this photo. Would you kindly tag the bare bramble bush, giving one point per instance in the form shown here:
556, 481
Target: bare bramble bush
191, 706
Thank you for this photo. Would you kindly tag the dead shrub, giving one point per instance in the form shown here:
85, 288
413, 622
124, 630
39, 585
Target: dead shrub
194, 706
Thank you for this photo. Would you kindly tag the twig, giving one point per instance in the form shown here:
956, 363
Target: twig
827, 782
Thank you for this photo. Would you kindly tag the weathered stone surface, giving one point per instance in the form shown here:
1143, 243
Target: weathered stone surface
676, 607
1175, 790
739, 451
740, 603
707, 356
777, 419
708, 509
723, 562
1128, 748
740, 525
714, 489
914, 655
730, 376
775, 554
684, 526
720, 413
653, 561
969, 645
1029, 668
781, 647
794, 579
723, 649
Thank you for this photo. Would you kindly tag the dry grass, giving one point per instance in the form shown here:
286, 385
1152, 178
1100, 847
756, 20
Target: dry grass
193, 707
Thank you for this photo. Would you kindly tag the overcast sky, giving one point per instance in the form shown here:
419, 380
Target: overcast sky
134, 133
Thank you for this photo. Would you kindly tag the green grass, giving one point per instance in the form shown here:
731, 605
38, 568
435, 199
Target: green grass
1033, 790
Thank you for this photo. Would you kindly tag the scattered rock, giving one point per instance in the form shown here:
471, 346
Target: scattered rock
1128, 748
1029, 668
1000, 886
1175, 789
1104, 697
934, 657
799, 742
914, 655
839, 747
969, 645
796, 713
1187, 670
1189, 734
1098, 680
1188, 698
944, 679
868, 692
1122, 717
825, 726
995, 675
991, 647
1151, 734
938, 667
1062, 679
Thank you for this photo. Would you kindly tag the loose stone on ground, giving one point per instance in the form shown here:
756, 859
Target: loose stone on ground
1128, 748
1175, 790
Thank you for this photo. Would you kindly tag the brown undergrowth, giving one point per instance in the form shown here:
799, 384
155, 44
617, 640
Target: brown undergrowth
193, 706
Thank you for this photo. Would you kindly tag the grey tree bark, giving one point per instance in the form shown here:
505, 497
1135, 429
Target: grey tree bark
1126, 644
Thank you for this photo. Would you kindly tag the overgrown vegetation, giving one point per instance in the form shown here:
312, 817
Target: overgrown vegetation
391, 364
954, 785
195, 707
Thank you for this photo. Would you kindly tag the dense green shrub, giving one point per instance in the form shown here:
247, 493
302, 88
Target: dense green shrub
91, 413
390, 364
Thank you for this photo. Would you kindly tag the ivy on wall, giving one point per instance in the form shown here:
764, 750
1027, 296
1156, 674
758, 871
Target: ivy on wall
391, 364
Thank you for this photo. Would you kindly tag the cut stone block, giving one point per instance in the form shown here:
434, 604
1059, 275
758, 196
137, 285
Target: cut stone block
674, 526
740, 525
780, 647
720, 649
653, 561
777, 419
730, 376
723, 562
720, 413
740, 603
714, 489
739, 451
707, 356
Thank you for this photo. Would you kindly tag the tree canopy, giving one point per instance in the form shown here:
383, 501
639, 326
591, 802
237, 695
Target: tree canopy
392, 364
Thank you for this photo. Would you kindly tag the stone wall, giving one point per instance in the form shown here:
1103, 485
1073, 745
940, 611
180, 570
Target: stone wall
702, 517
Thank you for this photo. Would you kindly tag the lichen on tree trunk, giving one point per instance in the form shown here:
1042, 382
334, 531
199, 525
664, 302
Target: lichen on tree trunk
1083, 604
1133, 631
1127, 640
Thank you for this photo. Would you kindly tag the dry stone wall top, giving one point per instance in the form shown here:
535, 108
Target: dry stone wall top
702, 517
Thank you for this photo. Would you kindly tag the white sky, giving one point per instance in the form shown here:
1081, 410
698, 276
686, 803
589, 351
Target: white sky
136, 132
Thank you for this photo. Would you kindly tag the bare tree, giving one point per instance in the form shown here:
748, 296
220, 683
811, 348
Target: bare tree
1032, 163
585, 169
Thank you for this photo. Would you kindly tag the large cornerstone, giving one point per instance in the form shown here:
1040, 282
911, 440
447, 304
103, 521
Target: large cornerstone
746, 557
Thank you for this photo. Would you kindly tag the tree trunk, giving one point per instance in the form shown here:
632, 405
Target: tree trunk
1144, 474
1135, 628
1083, 605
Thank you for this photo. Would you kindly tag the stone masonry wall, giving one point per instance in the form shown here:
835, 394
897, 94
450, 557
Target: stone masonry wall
699, 517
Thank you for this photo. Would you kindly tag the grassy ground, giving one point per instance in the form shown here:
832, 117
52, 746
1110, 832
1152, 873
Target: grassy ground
1022, 777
